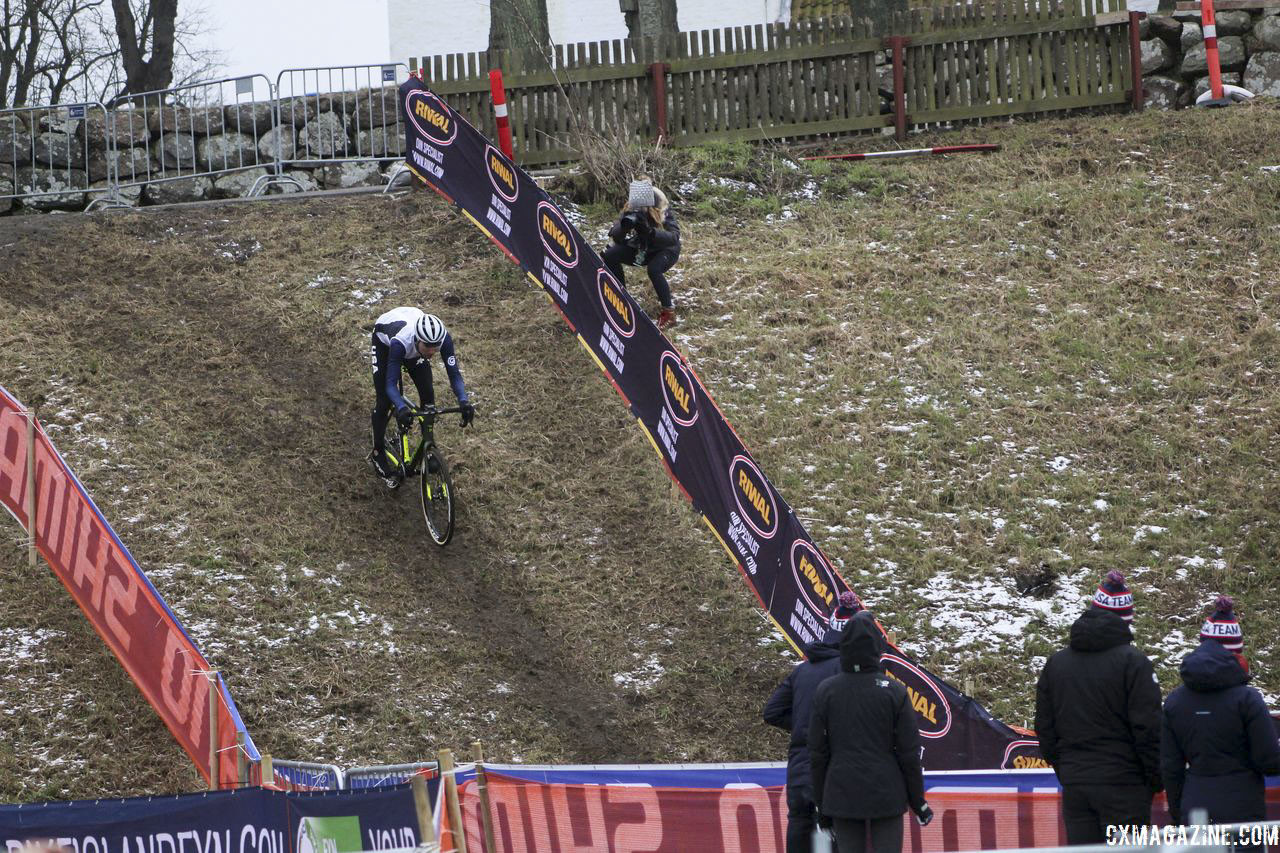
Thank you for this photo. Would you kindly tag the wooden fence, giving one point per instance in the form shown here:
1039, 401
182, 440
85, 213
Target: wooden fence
955, 63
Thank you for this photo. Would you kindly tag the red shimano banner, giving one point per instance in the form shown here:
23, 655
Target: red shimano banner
972, 812
116, 597
793, 580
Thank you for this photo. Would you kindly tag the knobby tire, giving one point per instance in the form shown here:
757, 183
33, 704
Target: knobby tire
437, 498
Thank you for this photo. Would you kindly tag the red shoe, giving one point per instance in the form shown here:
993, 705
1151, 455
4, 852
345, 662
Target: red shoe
666, 318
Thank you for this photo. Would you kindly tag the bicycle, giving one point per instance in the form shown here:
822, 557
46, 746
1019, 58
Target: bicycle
428, 462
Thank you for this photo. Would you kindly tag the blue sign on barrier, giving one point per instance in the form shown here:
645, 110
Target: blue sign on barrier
252, 820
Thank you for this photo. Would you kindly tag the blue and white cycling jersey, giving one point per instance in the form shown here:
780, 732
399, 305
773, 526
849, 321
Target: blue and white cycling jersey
395, 344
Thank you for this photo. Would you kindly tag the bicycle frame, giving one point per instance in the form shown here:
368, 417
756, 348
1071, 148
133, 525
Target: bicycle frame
410, 461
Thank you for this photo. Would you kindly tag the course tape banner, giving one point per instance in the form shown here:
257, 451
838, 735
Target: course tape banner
794, 581
250, 820
117, 598
743, 807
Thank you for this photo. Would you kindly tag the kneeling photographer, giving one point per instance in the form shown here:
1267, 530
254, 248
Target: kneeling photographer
646, 235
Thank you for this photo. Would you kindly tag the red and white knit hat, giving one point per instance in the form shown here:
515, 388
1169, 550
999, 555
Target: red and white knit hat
1222, 625
1113, 596
846, 607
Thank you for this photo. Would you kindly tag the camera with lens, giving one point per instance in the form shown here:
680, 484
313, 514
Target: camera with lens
631, 221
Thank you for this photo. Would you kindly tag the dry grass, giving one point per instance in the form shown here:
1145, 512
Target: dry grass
906, 357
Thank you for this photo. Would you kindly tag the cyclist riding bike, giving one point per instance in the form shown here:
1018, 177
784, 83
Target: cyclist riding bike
406, 339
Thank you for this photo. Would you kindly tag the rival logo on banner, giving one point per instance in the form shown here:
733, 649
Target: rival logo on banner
814, 578
617, 309
1023, 754
431, 117
754, 497
677, 389
557, 236
926, 698
501, 174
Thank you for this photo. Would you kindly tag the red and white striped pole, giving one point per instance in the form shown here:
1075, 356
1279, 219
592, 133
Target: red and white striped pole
500, 113
1211, 49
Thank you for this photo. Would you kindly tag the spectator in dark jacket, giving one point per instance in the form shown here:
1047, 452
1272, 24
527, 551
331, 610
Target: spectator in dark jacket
1218, 741
1098, 720
646, 235
864, 747
789, 708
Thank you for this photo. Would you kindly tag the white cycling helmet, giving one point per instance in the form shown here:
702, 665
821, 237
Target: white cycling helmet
430, 330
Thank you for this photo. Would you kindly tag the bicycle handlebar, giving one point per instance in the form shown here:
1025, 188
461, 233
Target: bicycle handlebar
432, 410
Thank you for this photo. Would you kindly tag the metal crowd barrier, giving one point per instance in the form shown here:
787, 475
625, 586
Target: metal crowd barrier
200, 130
62, 156
56, 155
343, 113
308, 775
386, 774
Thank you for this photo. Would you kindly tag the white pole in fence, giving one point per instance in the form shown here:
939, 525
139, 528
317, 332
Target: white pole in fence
31, 488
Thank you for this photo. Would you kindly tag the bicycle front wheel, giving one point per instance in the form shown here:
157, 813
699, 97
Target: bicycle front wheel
437, 497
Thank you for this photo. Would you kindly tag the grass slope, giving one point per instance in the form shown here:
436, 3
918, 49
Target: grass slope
983, 382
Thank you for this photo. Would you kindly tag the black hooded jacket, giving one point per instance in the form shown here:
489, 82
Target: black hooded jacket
1098, 707
864, 740
1218, 741
791, 703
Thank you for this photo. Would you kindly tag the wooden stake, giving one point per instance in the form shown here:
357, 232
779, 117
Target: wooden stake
457, 834
31, 488
268, 779
242, 765
482, 784
213, 729
422, 803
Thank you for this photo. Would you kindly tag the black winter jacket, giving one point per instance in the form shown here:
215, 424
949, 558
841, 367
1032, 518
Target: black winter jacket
650, 240
1217, 741
864, 743
1098, 707
792, 703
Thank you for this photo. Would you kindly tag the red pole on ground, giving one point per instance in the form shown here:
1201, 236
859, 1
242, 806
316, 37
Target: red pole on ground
899, 43
658, 75
1211, 49
1135, 60
500, 112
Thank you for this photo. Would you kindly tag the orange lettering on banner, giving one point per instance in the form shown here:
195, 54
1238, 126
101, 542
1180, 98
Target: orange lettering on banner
619, 305
744, 807
432, 117
677, 390
50, 485
64, 550
179, 697
87, 576
755, 496
568, 835
121, 600
643, 835
13, 462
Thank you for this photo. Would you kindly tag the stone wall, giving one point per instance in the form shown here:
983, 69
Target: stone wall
1174, 67
171, 154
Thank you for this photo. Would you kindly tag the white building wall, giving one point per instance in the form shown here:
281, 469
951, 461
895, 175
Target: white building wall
427, 27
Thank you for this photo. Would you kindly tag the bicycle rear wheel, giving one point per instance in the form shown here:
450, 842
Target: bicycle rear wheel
437, 497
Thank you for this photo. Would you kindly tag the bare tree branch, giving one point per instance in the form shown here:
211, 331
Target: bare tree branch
60, 50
